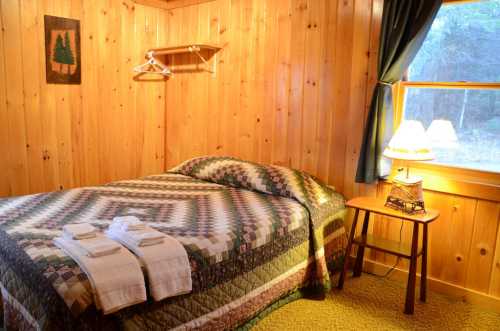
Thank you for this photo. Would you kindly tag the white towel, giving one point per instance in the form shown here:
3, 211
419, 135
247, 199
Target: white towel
129, 223
167, 264
144, 237
117, 280
98, 246
79, 231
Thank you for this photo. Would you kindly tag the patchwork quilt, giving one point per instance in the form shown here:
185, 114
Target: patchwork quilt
254, 235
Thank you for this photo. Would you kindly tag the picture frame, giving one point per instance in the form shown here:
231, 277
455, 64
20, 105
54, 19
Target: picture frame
62, 50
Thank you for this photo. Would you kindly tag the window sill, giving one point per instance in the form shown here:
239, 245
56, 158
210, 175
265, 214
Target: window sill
464, 182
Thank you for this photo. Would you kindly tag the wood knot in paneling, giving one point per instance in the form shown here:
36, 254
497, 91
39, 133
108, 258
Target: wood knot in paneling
302, 6
45, 155
483, 249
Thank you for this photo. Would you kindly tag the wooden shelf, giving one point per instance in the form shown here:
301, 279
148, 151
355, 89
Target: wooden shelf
385, 245
169, 4
378, 206
205, 53
185, 49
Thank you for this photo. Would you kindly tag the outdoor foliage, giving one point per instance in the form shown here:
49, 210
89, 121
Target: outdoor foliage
462, 45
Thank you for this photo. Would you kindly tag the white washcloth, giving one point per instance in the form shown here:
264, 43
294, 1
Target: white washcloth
167, 264
117, 280
144, 237
79, 231
129, 223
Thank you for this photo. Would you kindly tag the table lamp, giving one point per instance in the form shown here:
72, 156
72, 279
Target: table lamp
409, 143
442, 134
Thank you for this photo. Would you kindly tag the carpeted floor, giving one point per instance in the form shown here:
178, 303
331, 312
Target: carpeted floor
372, 303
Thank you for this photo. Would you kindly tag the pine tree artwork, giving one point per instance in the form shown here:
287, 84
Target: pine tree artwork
69, 59
59, 52
62, 50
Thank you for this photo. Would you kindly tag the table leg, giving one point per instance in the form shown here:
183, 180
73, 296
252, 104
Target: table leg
358, 266
348, 249
410, 288
423, 275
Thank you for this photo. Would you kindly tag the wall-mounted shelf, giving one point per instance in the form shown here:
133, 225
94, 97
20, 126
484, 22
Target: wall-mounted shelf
155, 66
170, 4
185, 49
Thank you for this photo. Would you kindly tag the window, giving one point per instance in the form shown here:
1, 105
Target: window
456, 77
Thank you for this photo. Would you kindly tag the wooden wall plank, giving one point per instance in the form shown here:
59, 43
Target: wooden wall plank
173, 93
450, 236
268, 65
310, 100
295, 115
230, 73
343, 37
16, 159
357, 90
212, 91
482, 250
327, 100
4, 127
494, 288
61, 116
31, 76
282, 84
92, 127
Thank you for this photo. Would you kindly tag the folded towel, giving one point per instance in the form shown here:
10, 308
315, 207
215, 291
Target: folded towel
117, 280
129, 223
167, 264
144, 237
79, 231
99, 246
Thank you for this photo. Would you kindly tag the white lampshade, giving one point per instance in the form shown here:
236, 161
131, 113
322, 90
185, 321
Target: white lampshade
442, 134
410, 142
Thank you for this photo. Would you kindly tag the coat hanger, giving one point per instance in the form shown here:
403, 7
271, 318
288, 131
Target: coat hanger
153, 66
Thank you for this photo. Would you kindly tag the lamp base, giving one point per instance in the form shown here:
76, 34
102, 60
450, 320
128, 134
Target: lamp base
407, 196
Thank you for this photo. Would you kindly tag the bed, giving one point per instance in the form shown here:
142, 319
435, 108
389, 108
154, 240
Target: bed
256, 236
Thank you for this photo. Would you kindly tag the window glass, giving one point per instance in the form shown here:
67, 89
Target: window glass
475, 116
463, 44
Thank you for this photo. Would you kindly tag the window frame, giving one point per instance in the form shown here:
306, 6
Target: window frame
453, 179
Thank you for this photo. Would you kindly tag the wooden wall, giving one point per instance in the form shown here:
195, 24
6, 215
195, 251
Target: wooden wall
293, 82
61, 136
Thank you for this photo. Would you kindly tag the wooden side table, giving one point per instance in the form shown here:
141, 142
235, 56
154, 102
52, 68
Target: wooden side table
376, 206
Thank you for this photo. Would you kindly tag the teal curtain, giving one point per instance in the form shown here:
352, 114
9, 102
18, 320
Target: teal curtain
405, 23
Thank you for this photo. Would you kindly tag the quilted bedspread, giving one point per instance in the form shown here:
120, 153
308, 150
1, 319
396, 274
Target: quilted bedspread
253, 233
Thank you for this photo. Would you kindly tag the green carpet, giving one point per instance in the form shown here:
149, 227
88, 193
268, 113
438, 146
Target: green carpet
372, 303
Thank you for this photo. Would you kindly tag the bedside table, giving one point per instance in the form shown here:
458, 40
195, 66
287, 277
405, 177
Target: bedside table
376, 206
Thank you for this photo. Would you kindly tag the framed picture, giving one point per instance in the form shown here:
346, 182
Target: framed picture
62, 50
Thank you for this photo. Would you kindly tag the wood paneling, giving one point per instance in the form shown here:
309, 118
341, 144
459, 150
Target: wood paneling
109, 127
291, 86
